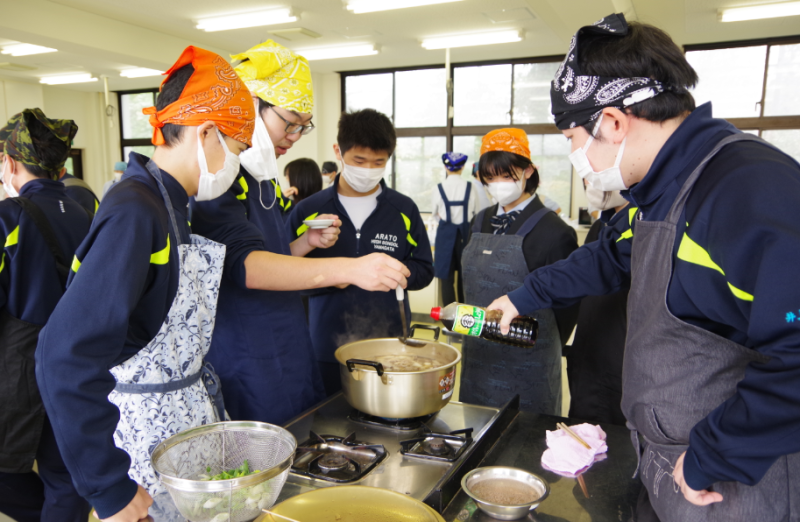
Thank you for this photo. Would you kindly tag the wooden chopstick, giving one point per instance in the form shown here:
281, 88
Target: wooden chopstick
583, 485
574, 435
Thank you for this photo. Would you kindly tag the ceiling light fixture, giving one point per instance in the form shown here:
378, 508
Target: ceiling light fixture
67, 78
240, 21
24, 49
327, 53
757, 12
467, 40
140, 72
371, 6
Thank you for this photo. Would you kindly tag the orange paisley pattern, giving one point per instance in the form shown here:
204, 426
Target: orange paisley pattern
508, 140
213, 93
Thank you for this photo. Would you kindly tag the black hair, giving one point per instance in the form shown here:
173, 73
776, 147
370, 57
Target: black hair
304, 175
366, 128
330, 167
646, 51
263, 106
500, 162
48, 148
170, 92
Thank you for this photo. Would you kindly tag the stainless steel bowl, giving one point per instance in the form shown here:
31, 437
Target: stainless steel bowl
493, 473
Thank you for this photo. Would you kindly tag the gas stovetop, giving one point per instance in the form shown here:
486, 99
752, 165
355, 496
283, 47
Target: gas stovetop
424, 458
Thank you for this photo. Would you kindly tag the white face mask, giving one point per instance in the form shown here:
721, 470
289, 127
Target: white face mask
607, 180
214, 185
259, 160
7, 186
362, 179
506, 192
603, 200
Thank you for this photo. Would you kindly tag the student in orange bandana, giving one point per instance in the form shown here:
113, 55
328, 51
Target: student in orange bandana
522, 234
120, 363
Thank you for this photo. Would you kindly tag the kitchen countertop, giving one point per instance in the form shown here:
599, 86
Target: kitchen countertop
612, 491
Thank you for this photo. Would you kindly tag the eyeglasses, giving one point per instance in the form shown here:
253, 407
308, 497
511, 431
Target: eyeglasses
294, 128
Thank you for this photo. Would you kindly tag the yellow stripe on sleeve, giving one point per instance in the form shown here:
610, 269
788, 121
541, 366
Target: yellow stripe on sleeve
691, 252
408, 229
162, 256
302, 228
13, 237
243, 183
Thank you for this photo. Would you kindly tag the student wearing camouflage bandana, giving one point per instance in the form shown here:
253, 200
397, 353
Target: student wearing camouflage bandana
36, 221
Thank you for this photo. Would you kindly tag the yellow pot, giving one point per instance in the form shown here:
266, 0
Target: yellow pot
353, 504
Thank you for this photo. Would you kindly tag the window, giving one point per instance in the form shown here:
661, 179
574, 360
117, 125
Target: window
782, 78
418, 168
135, 130
482, 95
751, 84
486, 96
421, 98
732, 79
372, 91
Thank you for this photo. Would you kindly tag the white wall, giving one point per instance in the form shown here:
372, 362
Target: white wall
99, 142
98, 138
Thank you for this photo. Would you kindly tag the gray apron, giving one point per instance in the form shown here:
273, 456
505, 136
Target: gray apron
493, 373
674, 374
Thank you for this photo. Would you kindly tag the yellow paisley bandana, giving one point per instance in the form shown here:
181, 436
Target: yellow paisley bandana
277, 75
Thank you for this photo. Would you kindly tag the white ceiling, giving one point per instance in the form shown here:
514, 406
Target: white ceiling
106, 36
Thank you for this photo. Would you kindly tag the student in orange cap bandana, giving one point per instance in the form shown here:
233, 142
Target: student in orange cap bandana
520, 234
120, 363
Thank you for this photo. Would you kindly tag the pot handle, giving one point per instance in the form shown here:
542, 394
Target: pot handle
435, 330
351, 365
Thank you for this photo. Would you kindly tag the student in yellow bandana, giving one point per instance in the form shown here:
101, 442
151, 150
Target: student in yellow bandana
261, 348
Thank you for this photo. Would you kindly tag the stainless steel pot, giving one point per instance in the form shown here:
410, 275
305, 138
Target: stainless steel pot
397, 395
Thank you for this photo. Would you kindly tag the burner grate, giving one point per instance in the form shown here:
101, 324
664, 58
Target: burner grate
446, 447
336, 459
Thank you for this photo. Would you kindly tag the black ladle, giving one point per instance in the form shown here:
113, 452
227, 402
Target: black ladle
404, 338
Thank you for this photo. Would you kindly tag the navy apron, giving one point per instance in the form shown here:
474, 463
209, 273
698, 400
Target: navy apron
262, 348
493, 373
674, 374
450, 238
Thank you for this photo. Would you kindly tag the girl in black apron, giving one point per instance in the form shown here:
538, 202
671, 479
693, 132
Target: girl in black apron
508, 241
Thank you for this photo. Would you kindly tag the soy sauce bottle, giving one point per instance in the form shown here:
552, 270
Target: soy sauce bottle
480, 322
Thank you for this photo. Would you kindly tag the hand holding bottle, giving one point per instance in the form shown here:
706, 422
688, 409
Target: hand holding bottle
510, 311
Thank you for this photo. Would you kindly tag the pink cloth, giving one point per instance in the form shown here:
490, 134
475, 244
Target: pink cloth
566, 455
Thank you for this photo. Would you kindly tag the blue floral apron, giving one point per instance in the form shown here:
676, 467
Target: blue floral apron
165, 388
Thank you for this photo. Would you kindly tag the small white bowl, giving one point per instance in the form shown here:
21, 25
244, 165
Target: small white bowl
318, 223
499, 511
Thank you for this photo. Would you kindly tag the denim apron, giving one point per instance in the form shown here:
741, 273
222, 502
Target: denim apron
165, 389
493, 373
450, 237
674, 374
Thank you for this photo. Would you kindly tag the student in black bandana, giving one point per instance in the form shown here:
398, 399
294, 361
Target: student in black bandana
712, 357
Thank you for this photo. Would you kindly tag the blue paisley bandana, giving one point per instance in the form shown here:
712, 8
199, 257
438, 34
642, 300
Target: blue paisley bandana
454, 160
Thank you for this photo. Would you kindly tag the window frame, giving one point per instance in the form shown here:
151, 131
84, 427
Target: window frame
759, 123
449, 130
131, 142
